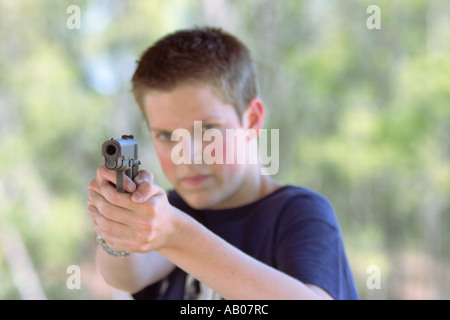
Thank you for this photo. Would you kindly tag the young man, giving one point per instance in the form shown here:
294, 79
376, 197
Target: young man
226, 230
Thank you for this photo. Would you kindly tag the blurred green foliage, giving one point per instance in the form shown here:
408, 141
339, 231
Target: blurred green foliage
363, 114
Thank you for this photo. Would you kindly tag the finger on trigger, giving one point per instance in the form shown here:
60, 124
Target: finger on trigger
129, 184
111, 176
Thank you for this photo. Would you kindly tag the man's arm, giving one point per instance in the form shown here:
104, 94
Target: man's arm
229, 271
144, 221
134, 272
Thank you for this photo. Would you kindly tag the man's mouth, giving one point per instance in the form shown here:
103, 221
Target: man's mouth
195, 180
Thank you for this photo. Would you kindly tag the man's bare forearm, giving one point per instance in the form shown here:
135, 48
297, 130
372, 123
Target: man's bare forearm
227, 270
134, 272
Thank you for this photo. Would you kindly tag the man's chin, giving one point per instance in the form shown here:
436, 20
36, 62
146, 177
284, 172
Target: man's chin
199, 199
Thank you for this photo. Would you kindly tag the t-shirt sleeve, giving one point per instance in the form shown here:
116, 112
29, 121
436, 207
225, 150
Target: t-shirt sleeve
309, 246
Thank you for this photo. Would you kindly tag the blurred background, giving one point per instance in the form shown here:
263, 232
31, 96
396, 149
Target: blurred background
363, 113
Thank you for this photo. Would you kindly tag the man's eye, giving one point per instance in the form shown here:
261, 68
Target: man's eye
209, 126
164, 136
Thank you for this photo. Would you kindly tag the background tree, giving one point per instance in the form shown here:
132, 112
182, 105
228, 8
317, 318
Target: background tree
363, 118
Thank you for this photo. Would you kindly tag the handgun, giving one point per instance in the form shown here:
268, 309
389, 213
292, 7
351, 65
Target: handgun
121, 155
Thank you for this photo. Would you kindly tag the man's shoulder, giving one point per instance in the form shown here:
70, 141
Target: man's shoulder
297, 202
296, 196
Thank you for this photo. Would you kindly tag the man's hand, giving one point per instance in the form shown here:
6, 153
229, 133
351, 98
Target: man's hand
140, 220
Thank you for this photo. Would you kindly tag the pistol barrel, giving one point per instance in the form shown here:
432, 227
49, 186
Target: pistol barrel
121, 155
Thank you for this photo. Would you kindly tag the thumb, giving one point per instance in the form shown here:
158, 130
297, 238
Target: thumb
145, 191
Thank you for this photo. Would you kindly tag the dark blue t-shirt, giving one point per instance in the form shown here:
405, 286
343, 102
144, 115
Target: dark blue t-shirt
294, 230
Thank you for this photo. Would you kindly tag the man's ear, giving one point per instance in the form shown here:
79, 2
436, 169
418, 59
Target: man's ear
253, 117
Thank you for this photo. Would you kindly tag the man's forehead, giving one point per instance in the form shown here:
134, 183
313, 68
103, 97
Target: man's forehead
184, 105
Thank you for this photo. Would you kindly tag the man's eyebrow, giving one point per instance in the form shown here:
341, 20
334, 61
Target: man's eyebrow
213, 118
207, 119
160, 130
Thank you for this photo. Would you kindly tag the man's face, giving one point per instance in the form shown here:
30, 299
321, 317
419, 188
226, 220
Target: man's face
201, 185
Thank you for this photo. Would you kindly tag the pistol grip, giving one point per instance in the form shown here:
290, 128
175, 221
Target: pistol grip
119, 181
131, 173
134, 170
